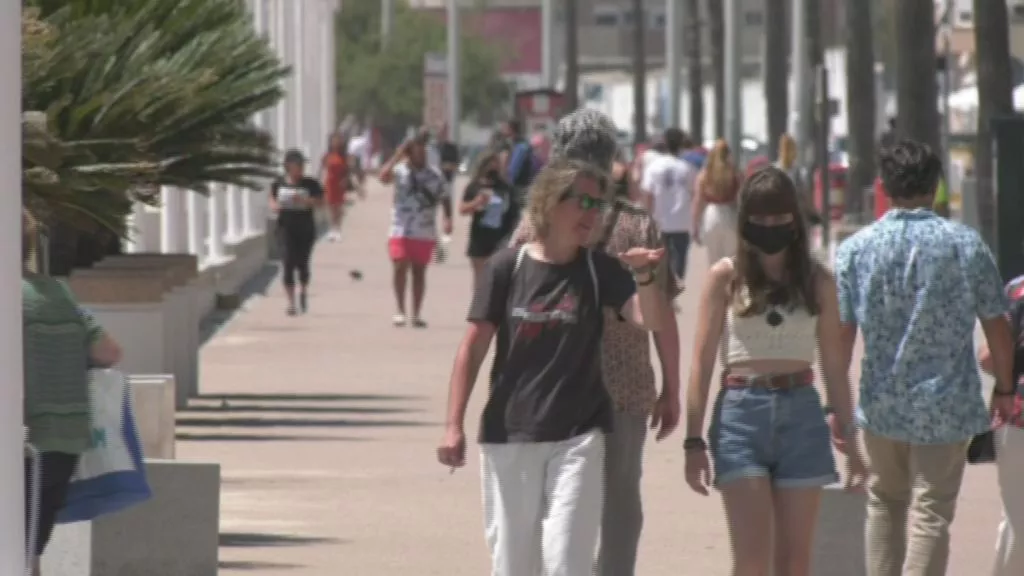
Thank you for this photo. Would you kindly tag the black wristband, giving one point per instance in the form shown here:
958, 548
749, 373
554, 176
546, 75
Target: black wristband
694, 445
1011, 392
828, 410
648, 282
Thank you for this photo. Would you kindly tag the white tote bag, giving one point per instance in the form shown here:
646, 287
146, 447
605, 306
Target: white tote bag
109, 452
111, 475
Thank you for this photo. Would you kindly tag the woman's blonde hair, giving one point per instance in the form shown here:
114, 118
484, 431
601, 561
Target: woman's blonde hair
480, 164
721, 172
787, 152
553, 182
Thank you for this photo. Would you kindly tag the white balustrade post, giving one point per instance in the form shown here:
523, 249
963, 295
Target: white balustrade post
12, 451
215, 222
281, 36
327, 86
196, 225
170, 220
234, 205
299, 71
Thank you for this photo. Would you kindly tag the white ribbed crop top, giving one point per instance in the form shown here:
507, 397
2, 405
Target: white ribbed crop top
753, 338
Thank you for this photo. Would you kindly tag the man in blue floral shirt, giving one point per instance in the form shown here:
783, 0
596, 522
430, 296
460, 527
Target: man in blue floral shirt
915, 284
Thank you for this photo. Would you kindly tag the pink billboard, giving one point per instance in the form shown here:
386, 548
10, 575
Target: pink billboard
515, 32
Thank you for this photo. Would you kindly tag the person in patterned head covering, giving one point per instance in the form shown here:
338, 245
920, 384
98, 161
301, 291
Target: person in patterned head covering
586, 135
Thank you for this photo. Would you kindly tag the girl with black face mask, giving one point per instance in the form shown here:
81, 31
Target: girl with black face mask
769, 313
487, 198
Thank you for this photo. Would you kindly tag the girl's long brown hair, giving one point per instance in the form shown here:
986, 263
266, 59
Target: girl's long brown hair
720, 181
769, 191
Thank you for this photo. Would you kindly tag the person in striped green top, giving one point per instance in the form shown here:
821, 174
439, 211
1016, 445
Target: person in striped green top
61, 342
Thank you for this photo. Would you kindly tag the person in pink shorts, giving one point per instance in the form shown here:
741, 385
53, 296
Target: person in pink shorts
419, 190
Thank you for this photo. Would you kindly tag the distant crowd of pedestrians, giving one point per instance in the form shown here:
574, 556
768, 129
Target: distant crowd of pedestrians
596, 253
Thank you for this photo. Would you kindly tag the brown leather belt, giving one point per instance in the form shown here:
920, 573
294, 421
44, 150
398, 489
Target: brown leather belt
770, 381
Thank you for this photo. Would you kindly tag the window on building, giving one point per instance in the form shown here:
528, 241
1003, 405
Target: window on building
607, 16
657, 20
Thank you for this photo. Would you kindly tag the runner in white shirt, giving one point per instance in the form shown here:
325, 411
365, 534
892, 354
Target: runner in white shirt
668, 183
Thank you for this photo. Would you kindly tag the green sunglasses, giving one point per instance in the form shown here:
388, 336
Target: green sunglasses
586, 202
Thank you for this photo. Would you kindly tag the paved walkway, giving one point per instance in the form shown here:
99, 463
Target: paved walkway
325, 427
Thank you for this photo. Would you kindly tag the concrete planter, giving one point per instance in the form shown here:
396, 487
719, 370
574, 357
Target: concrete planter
183, 301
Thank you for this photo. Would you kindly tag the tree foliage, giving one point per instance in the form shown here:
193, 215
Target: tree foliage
386, 84
135, 94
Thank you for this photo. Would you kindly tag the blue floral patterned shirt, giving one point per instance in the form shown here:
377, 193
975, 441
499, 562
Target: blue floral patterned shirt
915, 284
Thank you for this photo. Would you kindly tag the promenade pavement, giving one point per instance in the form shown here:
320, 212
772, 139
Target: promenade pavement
325, 427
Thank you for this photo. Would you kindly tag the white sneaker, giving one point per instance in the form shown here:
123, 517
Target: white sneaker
398, 320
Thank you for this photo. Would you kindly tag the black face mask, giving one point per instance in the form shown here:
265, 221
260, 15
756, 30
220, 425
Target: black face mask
769, 239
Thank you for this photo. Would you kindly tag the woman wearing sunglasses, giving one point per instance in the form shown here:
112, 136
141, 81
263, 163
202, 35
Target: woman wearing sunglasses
542, 429
766, 313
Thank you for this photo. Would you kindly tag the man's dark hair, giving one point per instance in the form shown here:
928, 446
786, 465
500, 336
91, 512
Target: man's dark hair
515, 127
659, 146
674, 138
909, 169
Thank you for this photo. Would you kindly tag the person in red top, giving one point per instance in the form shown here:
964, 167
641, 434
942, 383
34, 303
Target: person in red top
336, 174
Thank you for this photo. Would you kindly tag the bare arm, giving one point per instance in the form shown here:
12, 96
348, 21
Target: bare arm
836, 347
105, 352
387, 171
646, 308
470, 356
999, 351
666, 343
698, 205
710, 322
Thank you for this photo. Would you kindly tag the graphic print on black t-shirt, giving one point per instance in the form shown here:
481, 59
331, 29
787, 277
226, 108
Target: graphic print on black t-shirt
546, 379
535, 318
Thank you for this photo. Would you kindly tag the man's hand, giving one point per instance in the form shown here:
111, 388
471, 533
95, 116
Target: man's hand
665, 415
1002, 409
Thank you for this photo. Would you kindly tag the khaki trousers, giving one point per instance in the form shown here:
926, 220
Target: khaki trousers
912, 493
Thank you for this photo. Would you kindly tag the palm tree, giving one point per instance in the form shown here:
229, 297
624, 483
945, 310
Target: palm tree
860, 93
995, 98
171, 104
916, 86
716, 20
776, 89
639, 73
695, 69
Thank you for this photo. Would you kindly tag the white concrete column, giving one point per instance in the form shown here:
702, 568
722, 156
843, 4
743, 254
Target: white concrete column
281, 37
171, 241
299, 67
12, 451
234, 216
328, 89
215, 223
195, 208
314, 54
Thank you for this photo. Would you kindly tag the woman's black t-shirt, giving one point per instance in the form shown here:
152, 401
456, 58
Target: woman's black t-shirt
291, 217
546, 381
491, 224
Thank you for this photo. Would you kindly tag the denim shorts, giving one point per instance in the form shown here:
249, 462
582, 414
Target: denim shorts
778, 434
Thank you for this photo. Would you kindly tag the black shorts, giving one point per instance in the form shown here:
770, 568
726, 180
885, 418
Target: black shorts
483, 243
57, 469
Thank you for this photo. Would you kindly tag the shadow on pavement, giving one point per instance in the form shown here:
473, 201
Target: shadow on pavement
255, 540
300, 397
227, 408
296, 422
258, 284
252, 566
189, 437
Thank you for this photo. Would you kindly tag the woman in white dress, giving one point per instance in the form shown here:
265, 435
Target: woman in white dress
714, 206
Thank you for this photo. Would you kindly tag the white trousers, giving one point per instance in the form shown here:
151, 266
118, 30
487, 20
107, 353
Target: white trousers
542, 505
718, 232
1010, 463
